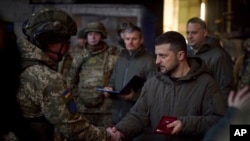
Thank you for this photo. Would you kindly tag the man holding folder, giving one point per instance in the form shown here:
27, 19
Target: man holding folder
133, 61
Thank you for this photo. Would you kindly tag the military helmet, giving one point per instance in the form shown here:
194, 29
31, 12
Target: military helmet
48, 24
95, 27
80, 33
123, 25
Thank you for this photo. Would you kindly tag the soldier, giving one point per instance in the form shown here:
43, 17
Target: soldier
81, 40
44, 99
92, 68
242, 67
64, 65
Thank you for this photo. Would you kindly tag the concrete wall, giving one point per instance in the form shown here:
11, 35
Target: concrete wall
110, 15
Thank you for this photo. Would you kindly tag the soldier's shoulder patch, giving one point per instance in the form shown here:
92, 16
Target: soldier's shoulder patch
70, 101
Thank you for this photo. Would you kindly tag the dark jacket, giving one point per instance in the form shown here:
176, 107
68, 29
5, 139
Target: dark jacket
140, 63
219, 64
195, 99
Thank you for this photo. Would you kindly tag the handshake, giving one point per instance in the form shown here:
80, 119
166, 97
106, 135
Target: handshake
114, 134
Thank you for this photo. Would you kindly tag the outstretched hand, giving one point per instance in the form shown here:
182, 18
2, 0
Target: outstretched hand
115, 135
239, 99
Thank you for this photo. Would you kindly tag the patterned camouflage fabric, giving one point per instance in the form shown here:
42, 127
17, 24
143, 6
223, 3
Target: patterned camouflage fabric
242, 71
41, 94
64, 65
75, 49
91, 69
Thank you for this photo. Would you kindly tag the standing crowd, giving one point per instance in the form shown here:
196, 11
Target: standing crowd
55, 96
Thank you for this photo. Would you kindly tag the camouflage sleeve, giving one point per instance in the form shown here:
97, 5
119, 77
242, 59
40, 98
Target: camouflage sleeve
111, 82
56, 109
72, 75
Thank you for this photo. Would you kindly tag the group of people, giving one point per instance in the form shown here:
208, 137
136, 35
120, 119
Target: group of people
191, 82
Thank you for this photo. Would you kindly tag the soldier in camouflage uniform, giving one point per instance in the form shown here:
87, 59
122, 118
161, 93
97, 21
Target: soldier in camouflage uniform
45, 100
64, 65
81, 40
242, 67
92, 68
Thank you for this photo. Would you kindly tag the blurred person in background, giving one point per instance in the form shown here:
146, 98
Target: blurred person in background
242, 66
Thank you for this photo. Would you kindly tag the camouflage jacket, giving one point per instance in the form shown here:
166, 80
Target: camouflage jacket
75, 49
41, 94
91, 69
242, 71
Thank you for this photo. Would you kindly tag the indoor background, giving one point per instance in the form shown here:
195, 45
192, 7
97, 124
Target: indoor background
226, 19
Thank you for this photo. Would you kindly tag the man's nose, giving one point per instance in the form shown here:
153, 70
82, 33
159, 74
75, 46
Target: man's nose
157, 60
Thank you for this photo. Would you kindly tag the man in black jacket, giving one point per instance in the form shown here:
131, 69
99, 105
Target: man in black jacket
216, 58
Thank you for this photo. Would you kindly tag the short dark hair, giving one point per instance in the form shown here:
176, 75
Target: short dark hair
175, 39
198, 21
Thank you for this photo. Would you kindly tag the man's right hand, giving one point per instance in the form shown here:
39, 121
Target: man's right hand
115, 135
106, 94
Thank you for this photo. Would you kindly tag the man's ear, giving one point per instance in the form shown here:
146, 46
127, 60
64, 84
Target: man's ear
205, 33
142, 40
181, 55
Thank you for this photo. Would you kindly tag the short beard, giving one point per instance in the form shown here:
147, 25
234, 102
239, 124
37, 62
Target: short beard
169, 72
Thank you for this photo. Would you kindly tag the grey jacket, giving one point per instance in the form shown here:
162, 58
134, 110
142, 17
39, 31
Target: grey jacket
195, 99
140, 63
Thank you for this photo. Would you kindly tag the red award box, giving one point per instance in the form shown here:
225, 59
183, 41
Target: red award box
162, 126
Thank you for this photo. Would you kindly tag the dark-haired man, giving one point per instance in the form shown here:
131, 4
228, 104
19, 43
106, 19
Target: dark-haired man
182, 89
216, 58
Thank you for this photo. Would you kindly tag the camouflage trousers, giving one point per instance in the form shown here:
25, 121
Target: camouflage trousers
98, 116
12, 137
102, 120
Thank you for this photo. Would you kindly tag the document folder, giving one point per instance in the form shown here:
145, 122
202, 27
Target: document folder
135, 83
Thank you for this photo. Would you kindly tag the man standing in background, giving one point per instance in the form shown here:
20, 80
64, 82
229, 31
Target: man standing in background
216, 58
92, 68
133, 60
